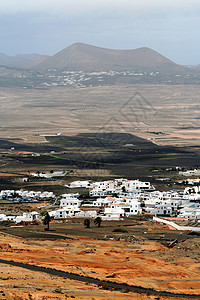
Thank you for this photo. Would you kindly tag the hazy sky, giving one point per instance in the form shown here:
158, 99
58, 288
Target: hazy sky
171, 27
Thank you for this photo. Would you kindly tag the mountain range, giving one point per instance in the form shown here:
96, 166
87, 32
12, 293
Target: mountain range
85, 57
17, 60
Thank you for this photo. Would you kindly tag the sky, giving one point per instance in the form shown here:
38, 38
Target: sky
170, 27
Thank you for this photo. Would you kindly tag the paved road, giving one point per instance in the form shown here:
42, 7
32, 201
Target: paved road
101, 283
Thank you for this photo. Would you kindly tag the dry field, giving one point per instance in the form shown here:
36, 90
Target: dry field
166, 114
137, 263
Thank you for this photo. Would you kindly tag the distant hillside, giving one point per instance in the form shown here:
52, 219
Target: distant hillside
90, 58
17, 60
81, 65
34, 62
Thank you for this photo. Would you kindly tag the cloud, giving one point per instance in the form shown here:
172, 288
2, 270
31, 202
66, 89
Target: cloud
82, 6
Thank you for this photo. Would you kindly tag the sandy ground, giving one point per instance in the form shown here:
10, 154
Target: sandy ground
165, 114
141, 263
9, 175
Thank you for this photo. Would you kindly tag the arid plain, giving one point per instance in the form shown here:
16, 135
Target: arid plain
163, 115
167, 114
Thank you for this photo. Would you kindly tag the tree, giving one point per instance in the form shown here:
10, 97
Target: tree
123, 189
97, 221
87, 223
46, 220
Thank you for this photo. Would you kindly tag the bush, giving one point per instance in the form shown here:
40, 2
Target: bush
5, 223
120, 230
87, 223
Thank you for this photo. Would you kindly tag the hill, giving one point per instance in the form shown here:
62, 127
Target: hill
85, 57
82, 65
34, 62
17, 60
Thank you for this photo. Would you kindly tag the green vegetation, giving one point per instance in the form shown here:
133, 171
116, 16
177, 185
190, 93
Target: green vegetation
5, 223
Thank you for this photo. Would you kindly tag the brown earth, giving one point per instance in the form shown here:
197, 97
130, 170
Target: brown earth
138, 262
86, 57
9, 175
168, 115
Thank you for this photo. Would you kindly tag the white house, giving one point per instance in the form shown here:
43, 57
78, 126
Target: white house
131, 185
3, 217
28, 217
104, 185
66, 212
162, 210
79, 184
135, 207
50, 175
86, 214
70, 196
190, 210
113, 213
103, 201
69, 200
27, 194
10, 218
97, 193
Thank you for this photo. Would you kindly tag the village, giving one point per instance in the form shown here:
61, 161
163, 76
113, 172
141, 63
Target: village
111, 200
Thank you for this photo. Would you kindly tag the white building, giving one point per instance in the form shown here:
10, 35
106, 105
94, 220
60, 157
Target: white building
10, 218
97, 193
86, 214
28, 217
162, 210
103, 201
50, 175
2, 217
190, 210
27, 194
79, 184
69, 200
113, 213
131, 185
65, 212
104, 185
72, 196
135, 207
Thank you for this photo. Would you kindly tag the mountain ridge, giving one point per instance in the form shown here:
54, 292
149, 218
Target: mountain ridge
18, 59
80, 56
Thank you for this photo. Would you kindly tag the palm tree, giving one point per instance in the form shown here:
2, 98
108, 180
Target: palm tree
97, 221
87, 223
46, 221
